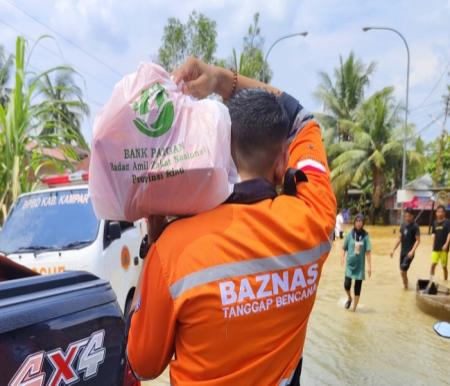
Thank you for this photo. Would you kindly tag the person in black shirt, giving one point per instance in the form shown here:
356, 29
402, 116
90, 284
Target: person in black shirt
441, 242
409, 239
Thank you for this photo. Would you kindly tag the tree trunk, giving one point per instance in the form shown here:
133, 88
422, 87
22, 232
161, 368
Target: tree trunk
377, 192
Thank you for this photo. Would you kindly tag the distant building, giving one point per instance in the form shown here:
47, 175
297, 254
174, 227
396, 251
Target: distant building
82, 163
420, 195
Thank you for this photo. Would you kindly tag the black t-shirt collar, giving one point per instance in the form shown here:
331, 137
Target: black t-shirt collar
259, 189
251, 191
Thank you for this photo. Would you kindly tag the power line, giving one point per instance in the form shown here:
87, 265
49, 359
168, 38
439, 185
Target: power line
424, 107
424, 114
434, 87
423, 129
417, 134
425, 118
56, 54
87, 53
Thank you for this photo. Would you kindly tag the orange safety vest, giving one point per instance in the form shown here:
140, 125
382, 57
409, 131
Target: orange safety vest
226, 295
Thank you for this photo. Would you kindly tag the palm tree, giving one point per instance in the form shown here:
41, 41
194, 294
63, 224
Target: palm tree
62, 108
6, 63
342, 95
372, 149
20, 163
438, 164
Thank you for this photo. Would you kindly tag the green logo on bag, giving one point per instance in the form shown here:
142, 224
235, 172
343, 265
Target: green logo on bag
164, 108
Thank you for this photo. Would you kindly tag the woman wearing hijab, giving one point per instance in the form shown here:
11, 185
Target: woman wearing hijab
356, 250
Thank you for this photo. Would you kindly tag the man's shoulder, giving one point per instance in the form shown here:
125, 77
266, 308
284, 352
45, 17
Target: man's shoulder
182, 232
210, 217
415, 228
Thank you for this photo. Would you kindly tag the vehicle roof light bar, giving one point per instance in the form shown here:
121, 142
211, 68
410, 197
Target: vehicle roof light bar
66, 179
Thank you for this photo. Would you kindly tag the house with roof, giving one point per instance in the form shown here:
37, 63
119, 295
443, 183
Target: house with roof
421, 195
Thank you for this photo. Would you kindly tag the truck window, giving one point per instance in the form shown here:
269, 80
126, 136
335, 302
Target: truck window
125, 225
52, 220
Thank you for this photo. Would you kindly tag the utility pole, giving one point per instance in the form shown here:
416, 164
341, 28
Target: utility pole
405, 134
438, 170
447, 105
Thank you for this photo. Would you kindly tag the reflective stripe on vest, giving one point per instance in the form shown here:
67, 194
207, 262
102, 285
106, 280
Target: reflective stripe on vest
248, 267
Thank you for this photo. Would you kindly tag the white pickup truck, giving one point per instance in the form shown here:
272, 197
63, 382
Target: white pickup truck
56, 230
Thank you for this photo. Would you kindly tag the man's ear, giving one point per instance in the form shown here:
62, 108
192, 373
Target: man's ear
281, 165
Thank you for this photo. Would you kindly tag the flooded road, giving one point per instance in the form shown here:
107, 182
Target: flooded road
388, 341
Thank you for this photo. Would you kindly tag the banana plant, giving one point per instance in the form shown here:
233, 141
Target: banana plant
21, 145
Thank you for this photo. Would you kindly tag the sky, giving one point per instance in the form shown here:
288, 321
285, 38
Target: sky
105, 40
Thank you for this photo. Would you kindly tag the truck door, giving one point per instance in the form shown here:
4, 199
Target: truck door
121, 260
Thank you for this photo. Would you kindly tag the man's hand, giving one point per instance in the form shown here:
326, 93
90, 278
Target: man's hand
198, 78
410, 254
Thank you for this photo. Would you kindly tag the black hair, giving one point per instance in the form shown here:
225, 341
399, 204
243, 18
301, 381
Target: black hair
441, 207
409, 210
362, 231
359, 216
259, 127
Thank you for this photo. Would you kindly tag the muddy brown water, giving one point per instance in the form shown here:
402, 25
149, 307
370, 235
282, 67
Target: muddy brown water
388, 341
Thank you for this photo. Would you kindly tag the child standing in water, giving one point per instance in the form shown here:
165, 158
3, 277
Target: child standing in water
356, 250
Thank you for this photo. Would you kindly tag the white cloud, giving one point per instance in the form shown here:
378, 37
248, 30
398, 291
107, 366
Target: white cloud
425, 66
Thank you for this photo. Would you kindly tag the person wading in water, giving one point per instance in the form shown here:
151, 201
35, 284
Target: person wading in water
441, 242
409, 239
355, 251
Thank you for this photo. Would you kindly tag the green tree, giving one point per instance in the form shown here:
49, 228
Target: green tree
195, 38
438, 160
415, 158
19, 128
250, 62
438, 151
343, 94
6, 63
62, 108
416, 169
372, 148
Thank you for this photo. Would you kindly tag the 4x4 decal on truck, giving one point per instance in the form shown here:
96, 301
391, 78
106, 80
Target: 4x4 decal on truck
92, 355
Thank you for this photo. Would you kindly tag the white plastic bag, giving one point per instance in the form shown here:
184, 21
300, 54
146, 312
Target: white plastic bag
158, 151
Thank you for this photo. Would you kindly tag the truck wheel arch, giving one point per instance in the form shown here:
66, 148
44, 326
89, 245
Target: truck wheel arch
128, 301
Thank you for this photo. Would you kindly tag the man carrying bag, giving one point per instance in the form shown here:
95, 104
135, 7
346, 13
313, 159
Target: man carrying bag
226, 295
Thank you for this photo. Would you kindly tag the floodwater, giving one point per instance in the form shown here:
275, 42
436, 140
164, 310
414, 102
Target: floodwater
388, 341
